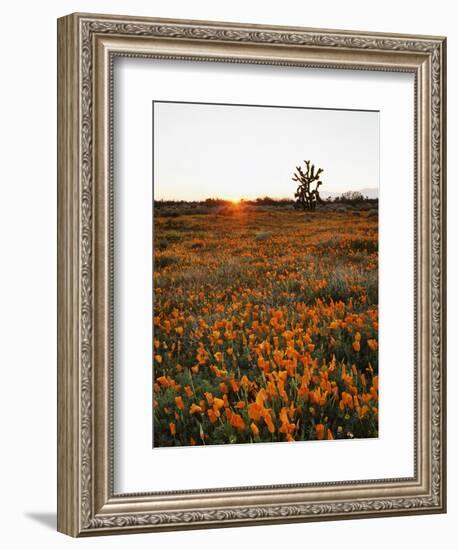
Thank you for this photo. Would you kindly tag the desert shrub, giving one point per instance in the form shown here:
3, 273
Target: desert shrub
173, 236
350, 197
367, 245
167, 214
161, 244
164, 260
202, 211
263, 236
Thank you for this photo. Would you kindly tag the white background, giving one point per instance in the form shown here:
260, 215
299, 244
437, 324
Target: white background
136, 82
28, 271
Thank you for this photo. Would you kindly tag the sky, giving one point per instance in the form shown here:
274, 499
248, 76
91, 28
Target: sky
238, 152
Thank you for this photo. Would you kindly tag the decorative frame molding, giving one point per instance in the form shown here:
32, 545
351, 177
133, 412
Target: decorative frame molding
87, 44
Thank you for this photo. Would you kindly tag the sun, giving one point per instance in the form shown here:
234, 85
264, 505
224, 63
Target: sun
236, 202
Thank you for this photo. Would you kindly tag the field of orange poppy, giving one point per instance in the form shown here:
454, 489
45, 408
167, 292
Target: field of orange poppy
265, 326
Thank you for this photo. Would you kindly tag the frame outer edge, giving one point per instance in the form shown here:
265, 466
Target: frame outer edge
133, 19
76, 483
443, 282
68, 379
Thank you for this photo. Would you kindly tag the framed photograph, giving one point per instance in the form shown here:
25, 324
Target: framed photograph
251, 289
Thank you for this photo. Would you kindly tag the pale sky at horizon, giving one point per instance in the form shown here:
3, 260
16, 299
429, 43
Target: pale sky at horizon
232, 152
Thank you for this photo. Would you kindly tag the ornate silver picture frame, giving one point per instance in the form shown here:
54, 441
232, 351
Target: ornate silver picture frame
87, 47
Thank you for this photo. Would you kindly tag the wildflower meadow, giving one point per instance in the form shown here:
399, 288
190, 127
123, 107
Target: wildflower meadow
265, 325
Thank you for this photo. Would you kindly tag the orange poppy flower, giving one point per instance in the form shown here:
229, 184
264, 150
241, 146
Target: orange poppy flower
218, 403
268, 420
271, 389
347, 399
373, 345
212, 415
237, 421
319, 429
375, 382
179, 402
255, 411
209, 397
162, 380
254, 428
261, 396
235, 385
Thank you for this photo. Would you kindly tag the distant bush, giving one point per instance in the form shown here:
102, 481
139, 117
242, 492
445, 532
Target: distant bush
162, 244
368, 245
165, 260
268, 201
169, 214
350, 197
263, 236
172, 236
353, 198
216, 202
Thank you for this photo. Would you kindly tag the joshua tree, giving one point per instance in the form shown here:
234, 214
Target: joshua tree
307, 198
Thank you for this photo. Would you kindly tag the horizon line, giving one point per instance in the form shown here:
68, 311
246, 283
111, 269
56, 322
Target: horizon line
243, 199
273, 197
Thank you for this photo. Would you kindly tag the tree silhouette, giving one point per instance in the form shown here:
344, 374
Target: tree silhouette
307, 198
